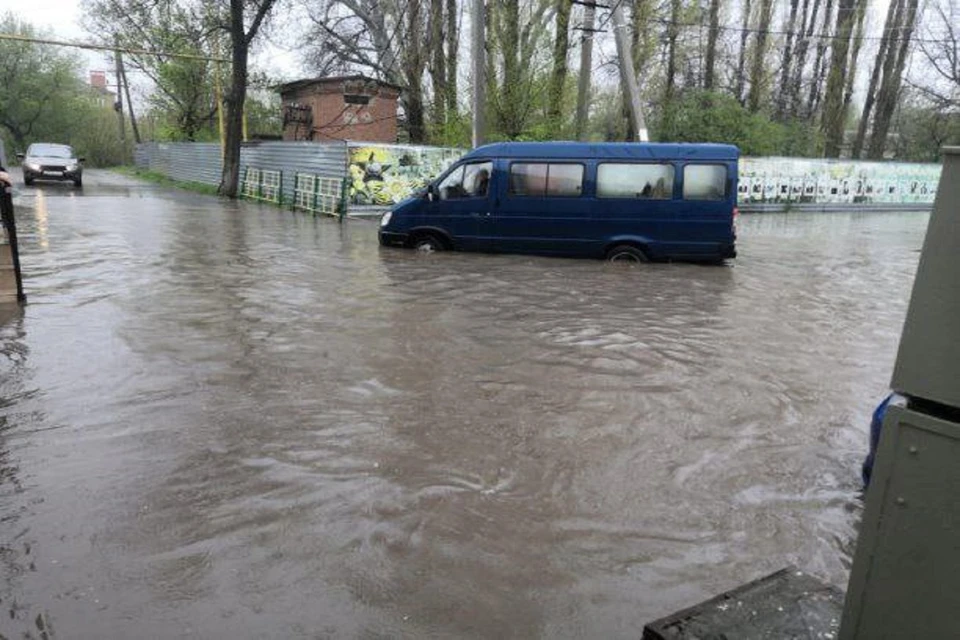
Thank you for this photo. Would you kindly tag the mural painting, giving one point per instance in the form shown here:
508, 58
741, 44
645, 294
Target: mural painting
386, 174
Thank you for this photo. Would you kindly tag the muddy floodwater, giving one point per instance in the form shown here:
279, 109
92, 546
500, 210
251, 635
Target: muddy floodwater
224, 420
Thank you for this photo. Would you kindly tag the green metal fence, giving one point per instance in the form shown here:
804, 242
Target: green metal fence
319, 194
262, 184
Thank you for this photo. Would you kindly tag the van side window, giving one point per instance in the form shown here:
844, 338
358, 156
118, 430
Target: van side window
467, 181
704, 182
645, 181
552, 180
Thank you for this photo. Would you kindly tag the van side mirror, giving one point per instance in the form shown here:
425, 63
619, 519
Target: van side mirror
20, 156
431, 193
81, 159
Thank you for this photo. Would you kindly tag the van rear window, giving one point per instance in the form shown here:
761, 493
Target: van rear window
645, 181
704, 182
541, 179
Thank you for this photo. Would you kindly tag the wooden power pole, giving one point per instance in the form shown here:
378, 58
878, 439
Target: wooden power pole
126, 92
479, 70
118, 105
586, 66
627, 72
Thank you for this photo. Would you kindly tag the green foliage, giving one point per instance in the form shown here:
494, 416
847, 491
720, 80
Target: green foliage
43, 99
921, 132
701, 116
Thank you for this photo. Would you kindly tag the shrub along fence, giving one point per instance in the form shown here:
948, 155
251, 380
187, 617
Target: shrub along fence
329, 177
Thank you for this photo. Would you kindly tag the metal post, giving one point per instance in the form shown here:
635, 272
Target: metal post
479, 70
586, 67
10, 224
627, 72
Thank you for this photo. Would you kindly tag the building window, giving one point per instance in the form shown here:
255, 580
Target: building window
644, 181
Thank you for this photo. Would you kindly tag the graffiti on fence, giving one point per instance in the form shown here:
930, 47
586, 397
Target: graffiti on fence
796, 180
386, 174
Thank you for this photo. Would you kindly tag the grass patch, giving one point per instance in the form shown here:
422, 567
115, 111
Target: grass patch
158, 178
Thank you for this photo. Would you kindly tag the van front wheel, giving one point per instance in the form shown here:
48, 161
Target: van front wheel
626, 253
428, 243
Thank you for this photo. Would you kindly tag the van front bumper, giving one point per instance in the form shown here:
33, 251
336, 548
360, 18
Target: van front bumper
393, 239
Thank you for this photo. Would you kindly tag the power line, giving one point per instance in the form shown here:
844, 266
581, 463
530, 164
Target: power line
103, 47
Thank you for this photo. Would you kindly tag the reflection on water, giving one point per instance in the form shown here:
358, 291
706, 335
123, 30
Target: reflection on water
230, 421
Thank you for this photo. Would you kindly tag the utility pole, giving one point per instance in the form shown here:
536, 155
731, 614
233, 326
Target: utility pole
479, 70
586, 66
625, 53
118, 105
126, 92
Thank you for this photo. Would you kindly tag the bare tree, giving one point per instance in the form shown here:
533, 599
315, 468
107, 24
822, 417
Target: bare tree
834, 116
819, 65
759, 52
742, 59
787, 59
438, 62
890, 85
941, 50
245, 20
712, 37
561, 45
870, 98
673, 31
807, 27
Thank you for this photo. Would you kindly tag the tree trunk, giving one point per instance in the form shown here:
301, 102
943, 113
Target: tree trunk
756, 68
803, 46
413, 63
586, 64
819, 68
230, 179
673, 31
438, 70
871, 96
561, 43
453, 45
742, 61
786, 60
861, 12
712, 35
889, 92
833, 114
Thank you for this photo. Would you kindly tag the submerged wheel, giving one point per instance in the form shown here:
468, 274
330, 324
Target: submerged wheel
428, 243
78, 183
626, 253
28, 181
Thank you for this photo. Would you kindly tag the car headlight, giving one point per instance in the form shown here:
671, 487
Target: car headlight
385, 220
73, 167
33, 166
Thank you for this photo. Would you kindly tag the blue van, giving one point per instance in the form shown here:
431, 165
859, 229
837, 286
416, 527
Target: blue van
620, 201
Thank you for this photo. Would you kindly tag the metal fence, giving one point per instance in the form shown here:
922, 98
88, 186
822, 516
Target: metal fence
201, 162
380, 175
317, 194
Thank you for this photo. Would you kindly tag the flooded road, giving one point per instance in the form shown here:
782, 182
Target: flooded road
225, 420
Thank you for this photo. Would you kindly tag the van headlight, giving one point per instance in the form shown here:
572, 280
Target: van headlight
73, 167
385, 220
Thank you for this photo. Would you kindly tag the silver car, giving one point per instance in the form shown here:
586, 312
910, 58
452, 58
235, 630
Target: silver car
47, 161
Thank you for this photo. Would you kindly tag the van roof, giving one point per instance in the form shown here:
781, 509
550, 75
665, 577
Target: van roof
602, 150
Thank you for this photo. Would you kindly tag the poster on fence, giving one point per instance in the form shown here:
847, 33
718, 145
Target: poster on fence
799, 180
386, 174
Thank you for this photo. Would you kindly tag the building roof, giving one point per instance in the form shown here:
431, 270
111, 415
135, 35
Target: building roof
607, 150
306, 82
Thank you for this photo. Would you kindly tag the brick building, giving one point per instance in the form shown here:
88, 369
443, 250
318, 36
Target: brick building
340, 108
